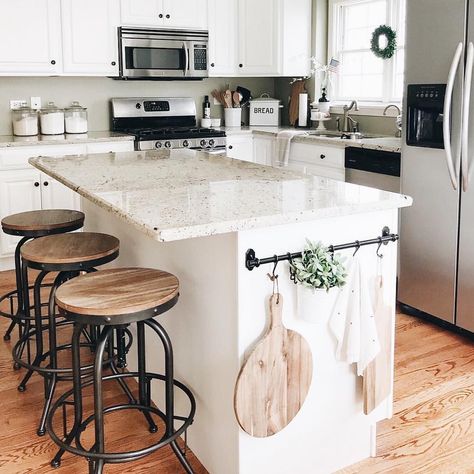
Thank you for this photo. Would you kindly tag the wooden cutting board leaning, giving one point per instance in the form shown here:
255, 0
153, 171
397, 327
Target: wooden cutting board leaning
274, 380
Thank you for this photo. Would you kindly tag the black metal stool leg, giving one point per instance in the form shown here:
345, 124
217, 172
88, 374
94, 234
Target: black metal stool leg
23, 329
77, 390
7, 335
142, 379
169, 391
53, 358
38, 331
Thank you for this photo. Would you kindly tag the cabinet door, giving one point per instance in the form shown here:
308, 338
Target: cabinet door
259, 37
86, 53
54, 195
264, 150
30, 37
185, 14
142, 12
20, 191
240, 147
222, 38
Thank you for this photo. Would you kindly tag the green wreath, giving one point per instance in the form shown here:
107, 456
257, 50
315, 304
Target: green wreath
389, 50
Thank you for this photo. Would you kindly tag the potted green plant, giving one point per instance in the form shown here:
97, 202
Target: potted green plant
318, 273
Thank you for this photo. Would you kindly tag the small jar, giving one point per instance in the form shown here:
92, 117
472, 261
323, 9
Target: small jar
76, 118
52, 120
25, 122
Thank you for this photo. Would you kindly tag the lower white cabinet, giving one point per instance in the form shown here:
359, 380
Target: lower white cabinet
24, 188
240, 147
264, 149
320, 160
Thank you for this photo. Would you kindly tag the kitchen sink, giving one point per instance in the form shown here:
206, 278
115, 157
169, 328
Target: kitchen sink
343, 136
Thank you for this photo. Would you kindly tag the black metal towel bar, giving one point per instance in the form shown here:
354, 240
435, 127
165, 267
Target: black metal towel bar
251, 261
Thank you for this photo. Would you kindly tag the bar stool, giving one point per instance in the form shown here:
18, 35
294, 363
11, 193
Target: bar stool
31, 225
114, 298
68, 254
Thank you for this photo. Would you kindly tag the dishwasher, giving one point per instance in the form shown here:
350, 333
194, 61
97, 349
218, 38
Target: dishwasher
373, 168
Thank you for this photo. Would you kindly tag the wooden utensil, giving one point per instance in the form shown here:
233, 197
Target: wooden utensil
274, 381
297, 88
236, 97
218, 96
378, 374
228, 98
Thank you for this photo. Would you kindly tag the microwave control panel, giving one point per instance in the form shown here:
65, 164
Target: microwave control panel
200, 57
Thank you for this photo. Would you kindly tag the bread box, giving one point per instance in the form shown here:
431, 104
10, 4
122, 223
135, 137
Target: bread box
265, 111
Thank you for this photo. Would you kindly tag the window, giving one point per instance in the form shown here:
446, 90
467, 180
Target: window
361, 74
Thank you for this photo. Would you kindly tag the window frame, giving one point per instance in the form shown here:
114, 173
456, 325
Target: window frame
389, 73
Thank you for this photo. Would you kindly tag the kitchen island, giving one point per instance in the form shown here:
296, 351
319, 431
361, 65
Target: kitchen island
195, 215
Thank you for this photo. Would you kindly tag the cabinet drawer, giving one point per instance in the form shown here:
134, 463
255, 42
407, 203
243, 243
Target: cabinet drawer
110, 147
322, 155
17, 157
326, 172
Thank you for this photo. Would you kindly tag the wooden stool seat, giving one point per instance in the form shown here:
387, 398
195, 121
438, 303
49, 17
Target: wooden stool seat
49, 220
116, 292
70, 248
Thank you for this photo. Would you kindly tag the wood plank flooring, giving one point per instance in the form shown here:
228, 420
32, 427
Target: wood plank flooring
432, 430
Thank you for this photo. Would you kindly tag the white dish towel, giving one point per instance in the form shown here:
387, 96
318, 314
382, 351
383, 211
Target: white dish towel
283, 146
352, 321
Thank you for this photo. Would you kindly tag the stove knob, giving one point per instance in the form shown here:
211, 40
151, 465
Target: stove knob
168, 144
185, 144
203, 142
158, 145
211, 142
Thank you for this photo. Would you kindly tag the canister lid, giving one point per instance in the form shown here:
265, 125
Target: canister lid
51, 108
75, 106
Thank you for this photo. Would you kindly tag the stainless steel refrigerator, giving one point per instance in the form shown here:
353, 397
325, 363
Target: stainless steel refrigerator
437, 234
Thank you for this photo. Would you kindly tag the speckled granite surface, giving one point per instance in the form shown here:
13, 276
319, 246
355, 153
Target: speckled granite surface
12, 141
185, 194
392, 144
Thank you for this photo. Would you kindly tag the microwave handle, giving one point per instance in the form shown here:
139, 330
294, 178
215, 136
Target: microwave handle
186, 55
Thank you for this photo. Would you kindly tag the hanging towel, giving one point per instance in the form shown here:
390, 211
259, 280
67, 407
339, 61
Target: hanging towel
283, 146
352, 321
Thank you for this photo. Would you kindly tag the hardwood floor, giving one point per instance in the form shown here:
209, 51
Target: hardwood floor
22, 451
432, 430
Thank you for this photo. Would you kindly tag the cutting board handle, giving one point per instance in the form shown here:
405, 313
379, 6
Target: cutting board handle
276, 307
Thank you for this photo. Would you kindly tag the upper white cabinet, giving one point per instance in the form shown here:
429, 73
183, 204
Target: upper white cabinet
264, 38
30, 37
165, 13
86, 53
260, 37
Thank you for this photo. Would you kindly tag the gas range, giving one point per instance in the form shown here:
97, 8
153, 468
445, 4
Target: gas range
166, 122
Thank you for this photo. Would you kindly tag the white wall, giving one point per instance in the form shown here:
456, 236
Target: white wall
95, 92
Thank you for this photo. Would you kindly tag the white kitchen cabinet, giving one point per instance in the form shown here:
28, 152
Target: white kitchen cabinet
54, 195
320, 160
30, 37
223, 38
240, 147
260, 37
20, 191
264, 149
86, 53
164, 13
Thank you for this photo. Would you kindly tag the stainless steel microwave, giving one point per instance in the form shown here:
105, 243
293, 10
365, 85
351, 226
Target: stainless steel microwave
167, 54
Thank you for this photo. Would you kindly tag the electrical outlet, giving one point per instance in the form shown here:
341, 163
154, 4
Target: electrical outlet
15, 103
35, 103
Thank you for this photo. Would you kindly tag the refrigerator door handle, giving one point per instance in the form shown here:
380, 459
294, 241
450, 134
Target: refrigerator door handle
447, 115
465, 117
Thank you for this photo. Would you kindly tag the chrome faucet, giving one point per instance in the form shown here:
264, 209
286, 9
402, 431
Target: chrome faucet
398, 133
350, 125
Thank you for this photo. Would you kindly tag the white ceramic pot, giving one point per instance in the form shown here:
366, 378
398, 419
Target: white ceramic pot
315, 306
233, 117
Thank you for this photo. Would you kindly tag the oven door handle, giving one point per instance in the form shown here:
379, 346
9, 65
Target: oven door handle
186, 56
465, 117
447, 115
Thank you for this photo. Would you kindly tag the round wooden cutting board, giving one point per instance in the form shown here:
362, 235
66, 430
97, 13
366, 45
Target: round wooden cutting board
274, 381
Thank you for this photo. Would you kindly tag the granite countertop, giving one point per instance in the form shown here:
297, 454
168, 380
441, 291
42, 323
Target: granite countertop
382, 143
180, 194
66, 139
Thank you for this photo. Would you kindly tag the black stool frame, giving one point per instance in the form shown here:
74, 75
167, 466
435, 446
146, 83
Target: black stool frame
98, 456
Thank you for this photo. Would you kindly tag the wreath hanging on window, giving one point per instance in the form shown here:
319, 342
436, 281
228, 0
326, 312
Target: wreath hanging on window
391, 37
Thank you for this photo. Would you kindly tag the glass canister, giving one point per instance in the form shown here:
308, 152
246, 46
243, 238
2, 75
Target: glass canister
25, 122
52, 120
76, 118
